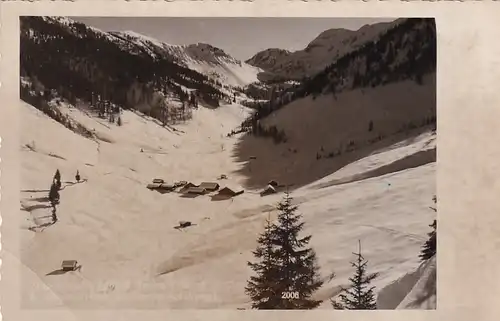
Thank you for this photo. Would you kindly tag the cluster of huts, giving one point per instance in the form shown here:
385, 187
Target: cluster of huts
188, 189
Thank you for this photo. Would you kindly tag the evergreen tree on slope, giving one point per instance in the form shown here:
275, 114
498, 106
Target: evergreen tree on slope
262, 289
429, 248
294, 267
359, 296
57, 179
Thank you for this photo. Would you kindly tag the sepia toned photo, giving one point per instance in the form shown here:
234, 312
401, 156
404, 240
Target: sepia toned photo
228, 163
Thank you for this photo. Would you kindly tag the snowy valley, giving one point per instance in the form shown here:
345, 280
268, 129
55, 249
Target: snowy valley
354, 143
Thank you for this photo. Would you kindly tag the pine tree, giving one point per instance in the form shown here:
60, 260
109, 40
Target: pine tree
57, 179
119, 121
54, 194
262, 288
294, 268
429, 248
358, 296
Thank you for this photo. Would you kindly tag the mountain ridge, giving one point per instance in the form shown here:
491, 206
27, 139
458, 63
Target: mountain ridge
326, 48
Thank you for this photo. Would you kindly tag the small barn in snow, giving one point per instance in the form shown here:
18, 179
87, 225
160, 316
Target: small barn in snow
153, 186
166, 187
209, 186
268, 190
186, 187
196, 191
273, 183
227, 193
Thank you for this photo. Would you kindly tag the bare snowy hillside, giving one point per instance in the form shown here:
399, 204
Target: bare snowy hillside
327, 133
322, 51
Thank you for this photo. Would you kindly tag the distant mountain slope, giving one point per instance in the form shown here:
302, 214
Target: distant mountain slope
406, 51
204, 58
310, 138
383, 92
64, 58
79, 62
329, 46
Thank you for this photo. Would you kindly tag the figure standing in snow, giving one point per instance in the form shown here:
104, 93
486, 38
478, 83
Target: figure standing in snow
77, 176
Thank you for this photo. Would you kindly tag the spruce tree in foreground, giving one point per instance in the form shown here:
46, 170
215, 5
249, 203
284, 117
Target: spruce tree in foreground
291, 271
262, 290
359, 296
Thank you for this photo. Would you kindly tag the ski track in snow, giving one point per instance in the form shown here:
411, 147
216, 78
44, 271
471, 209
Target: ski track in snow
123, 234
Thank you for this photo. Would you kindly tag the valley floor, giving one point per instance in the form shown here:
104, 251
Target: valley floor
123, 234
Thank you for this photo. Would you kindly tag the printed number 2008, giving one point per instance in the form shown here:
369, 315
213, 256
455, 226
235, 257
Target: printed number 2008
290, 295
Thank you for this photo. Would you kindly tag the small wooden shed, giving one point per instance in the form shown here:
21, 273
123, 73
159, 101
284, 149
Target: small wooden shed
273, 183
227, 193
154, 186
230, 191
187, 186
196, 190
166, 187
69, 265
268, 190
180, 183
210, 186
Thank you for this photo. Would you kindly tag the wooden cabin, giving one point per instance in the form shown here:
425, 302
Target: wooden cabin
153, 186
268, 190
186, 187
273, 183
166, 187
180, 183
209, 186
228, 191
158, 181
69, 265
196, 191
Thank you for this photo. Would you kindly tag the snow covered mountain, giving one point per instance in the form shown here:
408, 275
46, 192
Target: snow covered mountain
356, 145
329, 46
78, 61
202, 57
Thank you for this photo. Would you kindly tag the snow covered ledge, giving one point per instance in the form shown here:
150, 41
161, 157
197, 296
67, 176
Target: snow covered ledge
415, 290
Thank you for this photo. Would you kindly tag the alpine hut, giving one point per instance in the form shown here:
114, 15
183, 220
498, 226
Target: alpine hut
227, 193
209, 186
195, 191
186, 187
268, 190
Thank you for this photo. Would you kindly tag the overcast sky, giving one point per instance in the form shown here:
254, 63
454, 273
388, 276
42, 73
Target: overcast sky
239, 37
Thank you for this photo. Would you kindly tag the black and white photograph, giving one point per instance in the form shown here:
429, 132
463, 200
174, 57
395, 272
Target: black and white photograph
238, 163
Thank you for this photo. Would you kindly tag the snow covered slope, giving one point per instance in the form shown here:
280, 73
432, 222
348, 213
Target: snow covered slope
316, 128
204, 58
123, 235
415, 290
